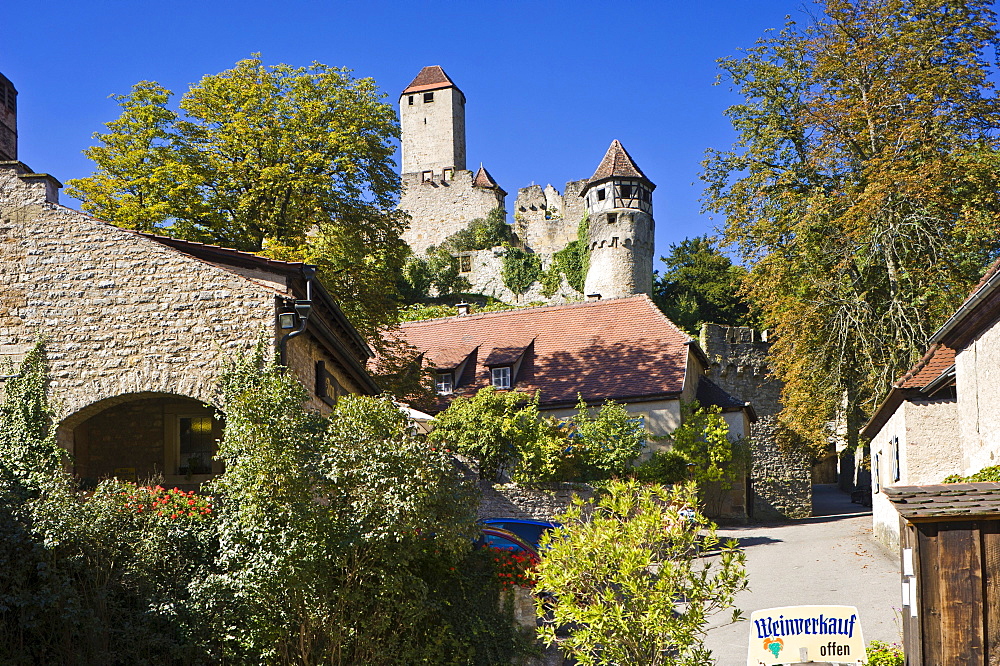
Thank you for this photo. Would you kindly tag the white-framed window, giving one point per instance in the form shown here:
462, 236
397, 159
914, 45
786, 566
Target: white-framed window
196, 444
448, 174
601, 194
444, 383
501, 377
876, 479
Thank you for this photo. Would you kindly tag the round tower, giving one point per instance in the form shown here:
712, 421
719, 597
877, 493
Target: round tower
619, 205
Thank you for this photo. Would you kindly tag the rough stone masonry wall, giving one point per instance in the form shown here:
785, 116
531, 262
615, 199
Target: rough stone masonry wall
545, 220
121, 314
540, 501
440, 208
781, 484
486, 277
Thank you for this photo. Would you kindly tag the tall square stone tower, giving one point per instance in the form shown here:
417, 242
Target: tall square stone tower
432, 120
8, 120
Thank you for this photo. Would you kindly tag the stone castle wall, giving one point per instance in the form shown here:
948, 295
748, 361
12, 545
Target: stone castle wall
486, 277
621, 254
441, 207
547, 221
781, 482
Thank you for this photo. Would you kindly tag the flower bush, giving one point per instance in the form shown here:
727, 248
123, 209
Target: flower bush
157, 501
514, 569
885, 654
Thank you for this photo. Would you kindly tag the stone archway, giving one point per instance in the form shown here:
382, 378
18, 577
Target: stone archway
142, 436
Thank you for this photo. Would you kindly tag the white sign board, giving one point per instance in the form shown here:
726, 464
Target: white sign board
804, 634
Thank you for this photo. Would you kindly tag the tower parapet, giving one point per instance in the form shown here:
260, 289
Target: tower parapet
619, 201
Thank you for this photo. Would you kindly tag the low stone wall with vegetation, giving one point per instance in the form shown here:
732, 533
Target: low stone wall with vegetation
541, 501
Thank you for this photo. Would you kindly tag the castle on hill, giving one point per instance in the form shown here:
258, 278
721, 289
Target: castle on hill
442, 197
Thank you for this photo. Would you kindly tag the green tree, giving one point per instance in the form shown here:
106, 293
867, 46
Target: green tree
862, 191
700, 285
627, 581
491, 426
292, 162
339, 536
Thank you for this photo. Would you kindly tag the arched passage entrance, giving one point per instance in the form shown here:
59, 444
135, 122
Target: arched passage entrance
140, 436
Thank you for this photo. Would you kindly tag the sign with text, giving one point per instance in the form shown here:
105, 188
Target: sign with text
805, 634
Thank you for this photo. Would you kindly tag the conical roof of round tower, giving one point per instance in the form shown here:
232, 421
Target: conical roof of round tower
431, 77
617, 163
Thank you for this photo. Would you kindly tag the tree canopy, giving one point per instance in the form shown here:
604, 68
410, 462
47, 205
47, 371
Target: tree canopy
700, 285
292, 162
862, 190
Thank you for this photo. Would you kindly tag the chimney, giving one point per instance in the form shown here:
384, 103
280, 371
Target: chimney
463, 309
593, 297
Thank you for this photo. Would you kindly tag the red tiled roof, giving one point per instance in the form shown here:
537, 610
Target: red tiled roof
937, 359
617, 163
484, 179
611, 349
431, 77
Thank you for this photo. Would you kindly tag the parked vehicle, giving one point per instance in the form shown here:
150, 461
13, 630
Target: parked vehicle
529, 530
496, 537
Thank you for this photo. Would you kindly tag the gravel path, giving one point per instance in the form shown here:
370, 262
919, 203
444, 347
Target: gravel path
829, 559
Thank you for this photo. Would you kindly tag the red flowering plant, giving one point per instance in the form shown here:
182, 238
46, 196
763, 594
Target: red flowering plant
514, 569
172, 504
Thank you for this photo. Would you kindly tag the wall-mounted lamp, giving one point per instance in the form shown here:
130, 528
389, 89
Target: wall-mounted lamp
286, 320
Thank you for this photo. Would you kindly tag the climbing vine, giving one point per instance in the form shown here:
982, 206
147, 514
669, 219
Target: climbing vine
521, 269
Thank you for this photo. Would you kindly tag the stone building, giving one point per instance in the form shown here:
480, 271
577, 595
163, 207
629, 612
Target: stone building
621, 349
138, 328
780, 481
442, 197
943, 416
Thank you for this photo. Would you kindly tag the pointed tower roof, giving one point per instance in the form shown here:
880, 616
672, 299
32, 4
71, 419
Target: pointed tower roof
431, 77
617, 163
484, 179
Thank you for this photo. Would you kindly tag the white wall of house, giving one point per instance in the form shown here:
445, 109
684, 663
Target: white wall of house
977, 377
661, 417
924, 435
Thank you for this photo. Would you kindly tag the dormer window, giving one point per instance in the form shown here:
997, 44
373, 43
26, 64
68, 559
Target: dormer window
444, 384
428, 97
501, 377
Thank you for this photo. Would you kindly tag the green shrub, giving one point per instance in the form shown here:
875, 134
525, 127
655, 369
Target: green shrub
884, 654
627, 584
665, 467
482, 234
986, 474
521, 269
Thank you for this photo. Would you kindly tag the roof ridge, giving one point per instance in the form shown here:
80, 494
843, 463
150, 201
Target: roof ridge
535, 308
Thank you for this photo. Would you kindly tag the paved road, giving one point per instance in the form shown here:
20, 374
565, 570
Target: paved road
829, 559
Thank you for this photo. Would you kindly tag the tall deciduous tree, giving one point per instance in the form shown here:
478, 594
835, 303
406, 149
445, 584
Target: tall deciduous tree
293, 162
700, 285
862, 188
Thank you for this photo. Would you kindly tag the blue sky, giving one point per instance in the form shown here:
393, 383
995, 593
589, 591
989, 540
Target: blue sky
549, 84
